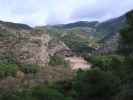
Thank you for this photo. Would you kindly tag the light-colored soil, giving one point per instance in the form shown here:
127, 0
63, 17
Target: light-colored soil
78, 63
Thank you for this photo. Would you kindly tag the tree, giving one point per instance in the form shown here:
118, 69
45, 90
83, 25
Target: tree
8, 70
113, 63
126, 39
29, 68
96, 85
126, 92
42, 92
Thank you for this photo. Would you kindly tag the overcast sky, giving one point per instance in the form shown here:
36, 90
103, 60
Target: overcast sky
42, 12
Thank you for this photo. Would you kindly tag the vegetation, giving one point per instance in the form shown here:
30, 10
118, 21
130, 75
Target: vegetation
76, 39
78, 44
96, 85
57, 61
45, 93
8, 70
110, 78
29, 68
126, 41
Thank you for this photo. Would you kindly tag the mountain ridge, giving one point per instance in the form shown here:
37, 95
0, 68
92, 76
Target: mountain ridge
81, 36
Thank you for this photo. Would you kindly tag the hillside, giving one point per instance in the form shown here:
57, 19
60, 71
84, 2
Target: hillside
15, 26
48, 46
23, 41
26, 51
76, 61
77, 24
99, 35
111, 27
100, 30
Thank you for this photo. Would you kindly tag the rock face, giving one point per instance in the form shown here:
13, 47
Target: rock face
32, 49
24, 45
56, 46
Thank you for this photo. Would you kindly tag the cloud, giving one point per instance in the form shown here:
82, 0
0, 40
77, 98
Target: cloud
42, 12
102, 10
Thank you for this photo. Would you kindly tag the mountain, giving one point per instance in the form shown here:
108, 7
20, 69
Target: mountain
30, 51
16, 26
77, 24
48, 46
36, 45
75, 39
111, 27
91, 35
110, 30
22, 44
100, 30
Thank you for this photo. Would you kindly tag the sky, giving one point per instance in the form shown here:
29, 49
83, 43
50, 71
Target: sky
51, 12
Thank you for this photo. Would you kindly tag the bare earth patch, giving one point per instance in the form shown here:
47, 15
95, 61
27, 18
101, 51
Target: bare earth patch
78, 63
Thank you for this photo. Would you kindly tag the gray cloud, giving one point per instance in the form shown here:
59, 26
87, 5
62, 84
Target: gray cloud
42, 12
102, 10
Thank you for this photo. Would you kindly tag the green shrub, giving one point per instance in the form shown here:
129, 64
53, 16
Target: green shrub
30, 68
8, 70
126, 92
112, 63
42, 92
96, 85
16, 95
105, 62
57, 60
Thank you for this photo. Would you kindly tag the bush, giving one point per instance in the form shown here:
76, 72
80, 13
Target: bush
65, 87
113, 63
126, 92
29, 68
57, 60
17, 95
106, 62
96, 85
8, 70
42, 92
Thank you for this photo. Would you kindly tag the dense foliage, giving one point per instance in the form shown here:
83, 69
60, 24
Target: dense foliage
126, 41
96, 85
78, 44
58, 61
29, 68
7, 70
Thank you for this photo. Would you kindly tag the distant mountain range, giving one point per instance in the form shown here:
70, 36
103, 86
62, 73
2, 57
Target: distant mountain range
16, 26
77, 24
105, 33
102, 30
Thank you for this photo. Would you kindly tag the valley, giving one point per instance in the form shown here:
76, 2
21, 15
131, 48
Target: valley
76, 61
69, 45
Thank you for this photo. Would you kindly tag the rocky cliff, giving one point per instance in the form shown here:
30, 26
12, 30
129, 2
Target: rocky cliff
26, 45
